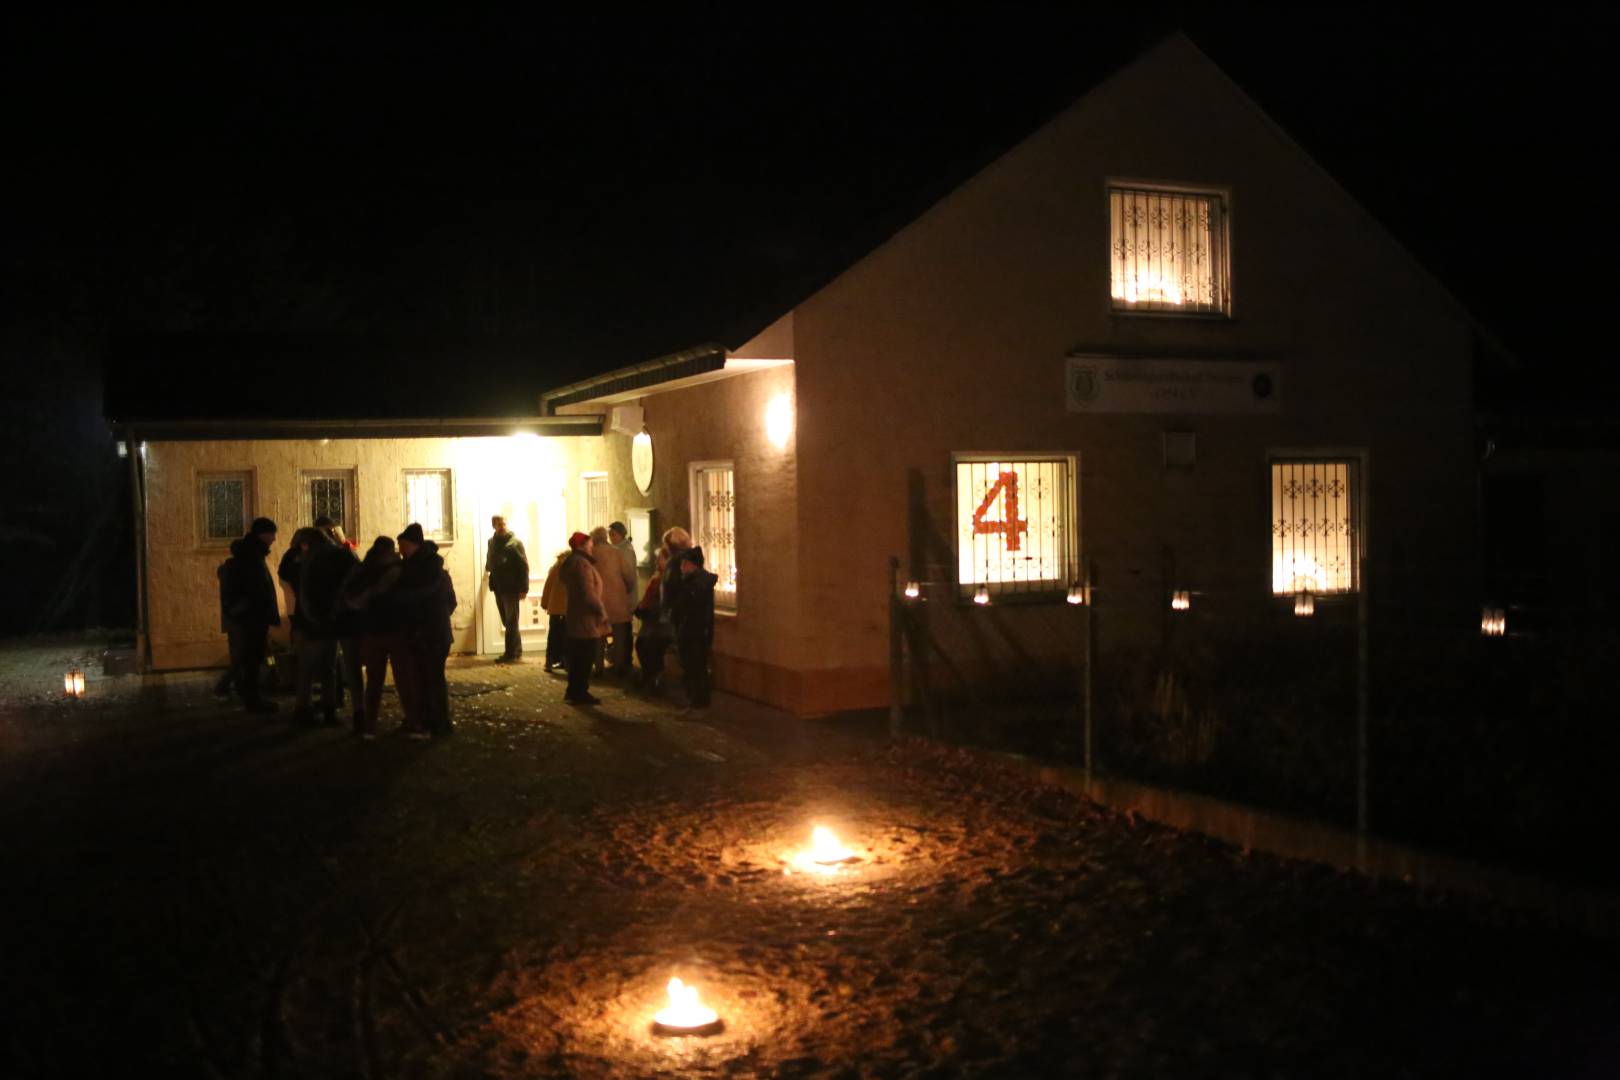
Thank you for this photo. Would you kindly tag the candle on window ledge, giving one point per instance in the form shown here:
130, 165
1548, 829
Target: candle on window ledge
1180, 600
913, 590
1493, 622
1077, 594
1304, 603
981, 596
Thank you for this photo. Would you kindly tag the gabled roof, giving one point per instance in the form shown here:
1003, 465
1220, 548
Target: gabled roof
670, 370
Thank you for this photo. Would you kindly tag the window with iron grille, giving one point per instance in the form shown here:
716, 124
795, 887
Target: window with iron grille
1015, 524
596, 500
1315, 526
428, 502
1168, 251
330, 493
714, 525
224, 502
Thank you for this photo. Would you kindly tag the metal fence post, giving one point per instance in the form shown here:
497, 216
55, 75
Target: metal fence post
896, 652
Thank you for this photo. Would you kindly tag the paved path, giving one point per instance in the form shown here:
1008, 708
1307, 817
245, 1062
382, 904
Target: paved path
210, 894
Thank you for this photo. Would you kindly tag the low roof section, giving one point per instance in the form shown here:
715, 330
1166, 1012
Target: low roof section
231, 386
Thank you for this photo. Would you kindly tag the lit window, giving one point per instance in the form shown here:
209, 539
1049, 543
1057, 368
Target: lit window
596, 500
1315, 541
428, 503
714, 525
329, 493
1015, 525
223, 502
1168, 251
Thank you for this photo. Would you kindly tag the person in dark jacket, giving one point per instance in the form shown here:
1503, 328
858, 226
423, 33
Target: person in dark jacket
427, 599
508, 567
248, 606
586, 620
653, 640
322, 570
690, 596
372, 617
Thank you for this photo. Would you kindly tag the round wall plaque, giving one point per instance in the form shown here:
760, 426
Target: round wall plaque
641, 460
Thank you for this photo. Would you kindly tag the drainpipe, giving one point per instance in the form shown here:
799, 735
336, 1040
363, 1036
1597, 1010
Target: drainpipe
137, 501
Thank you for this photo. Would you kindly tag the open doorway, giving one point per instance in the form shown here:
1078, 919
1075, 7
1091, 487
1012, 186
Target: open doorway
527, 488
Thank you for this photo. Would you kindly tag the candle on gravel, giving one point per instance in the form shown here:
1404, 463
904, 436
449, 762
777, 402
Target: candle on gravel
685, 1014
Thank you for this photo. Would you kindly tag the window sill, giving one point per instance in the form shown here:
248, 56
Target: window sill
1191, 316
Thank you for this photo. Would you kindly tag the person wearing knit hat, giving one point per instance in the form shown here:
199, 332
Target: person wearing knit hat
586, 619
412, 535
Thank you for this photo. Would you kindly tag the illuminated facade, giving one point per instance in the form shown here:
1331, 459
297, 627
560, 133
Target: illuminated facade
1150, 369
1143, 369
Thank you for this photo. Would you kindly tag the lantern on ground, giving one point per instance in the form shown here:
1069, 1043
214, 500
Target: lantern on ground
981, 596
913, 590
73, 684
1304, 603
1180, 600
685, 1014
1493, 622
825, 854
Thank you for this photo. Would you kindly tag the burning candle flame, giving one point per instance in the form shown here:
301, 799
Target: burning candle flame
685, 1010
825, 848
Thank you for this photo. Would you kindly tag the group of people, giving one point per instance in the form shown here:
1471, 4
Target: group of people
591, 593
351, 618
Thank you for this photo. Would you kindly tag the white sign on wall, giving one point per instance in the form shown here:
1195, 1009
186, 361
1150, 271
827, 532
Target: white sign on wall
1112, 384
641, 461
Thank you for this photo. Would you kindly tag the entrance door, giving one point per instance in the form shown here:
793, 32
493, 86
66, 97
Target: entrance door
535, 508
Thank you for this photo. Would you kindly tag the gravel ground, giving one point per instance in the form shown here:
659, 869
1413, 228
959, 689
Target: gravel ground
214, 895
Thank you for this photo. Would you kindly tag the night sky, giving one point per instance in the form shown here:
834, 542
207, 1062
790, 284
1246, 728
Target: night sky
537, 199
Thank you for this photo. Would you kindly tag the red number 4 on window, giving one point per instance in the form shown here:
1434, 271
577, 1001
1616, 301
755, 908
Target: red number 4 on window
1009, 526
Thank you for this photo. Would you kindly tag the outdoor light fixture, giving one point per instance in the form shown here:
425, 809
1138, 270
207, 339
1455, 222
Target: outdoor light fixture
1304, 603
1077, 594
779, 420
1180, 600
1493, 622
686, 1015
73, 684
981, 596
913, 590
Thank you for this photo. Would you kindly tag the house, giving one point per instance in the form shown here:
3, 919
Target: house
1153, 357
1153, 352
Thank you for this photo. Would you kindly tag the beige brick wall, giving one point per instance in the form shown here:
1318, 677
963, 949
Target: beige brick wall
759, 646
953, 337
487, 473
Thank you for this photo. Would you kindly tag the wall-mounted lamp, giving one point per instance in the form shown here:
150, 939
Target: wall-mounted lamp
1180, 600
779, 420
